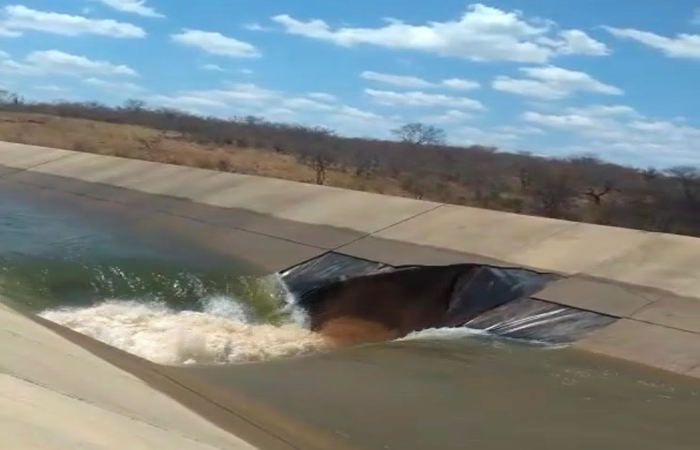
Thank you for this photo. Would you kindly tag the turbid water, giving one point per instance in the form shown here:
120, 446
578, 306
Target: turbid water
215, 318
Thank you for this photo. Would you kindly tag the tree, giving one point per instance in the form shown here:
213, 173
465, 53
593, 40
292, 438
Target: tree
420, 134
553, 189
689, 179
134, 104
597, 194
9, 98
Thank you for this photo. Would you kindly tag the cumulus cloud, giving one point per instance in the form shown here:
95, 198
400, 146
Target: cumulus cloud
213, 68
55, 62
423, 99
552, 83
314, 109
18, 18
482, 33
132, 6
576, 42
5, 32
408, 81
449, 116
461, 84
396, 80
118, 86
603, 110
216, 43
323, 96
681, 46
620, 133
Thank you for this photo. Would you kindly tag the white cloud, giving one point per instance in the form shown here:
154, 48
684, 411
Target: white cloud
461, 84
323, 96
4, 55
552, 83
519, 130
254, 26
5, 32
468, 135
408, 81
576, 42
422, 99
682, 46
244, 99
216, 43
482, 33
306, 104
621, 134
119, 86
132, 6
55, 62
50, 88
245, 71
565, 121
183, 102
396, 80
213, 68
17, 18
450, 116
603, 110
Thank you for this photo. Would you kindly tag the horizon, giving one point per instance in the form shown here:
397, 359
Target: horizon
547, 78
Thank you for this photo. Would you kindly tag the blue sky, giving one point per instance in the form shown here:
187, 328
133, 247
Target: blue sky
614, 78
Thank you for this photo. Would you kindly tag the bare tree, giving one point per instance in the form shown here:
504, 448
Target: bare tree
319, 160
420, 134
554, 190
10, 98
689, 179
134, 104
596, 195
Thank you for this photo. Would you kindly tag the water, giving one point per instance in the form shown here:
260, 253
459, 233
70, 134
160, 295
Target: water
171, 306
211, 317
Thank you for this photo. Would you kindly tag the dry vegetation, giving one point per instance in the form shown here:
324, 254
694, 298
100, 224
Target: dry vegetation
134, 141
581, 188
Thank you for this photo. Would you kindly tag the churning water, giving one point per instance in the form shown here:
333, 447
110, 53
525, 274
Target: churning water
448, 388
142, 297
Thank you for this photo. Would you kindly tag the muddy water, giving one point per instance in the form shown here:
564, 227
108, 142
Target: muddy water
476, 393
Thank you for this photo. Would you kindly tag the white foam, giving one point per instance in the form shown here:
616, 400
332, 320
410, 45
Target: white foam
442, 333
219, 335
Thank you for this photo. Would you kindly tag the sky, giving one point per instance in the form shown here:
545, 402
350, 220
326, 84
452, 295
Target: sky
618, 79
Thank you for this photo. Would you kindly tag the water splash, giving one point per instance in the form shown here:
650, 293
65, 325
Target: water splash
220, 334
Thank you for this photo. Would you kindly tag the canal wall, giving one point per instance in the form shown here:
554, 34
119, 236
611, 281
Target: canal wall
650, 281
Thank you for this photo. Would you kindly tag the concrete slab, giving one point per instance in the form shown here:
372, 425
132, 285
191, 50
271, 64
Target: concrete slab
654, 345
397, 253
604, 298
676, 312
34, 417
64, 385
475, 231
305, 203
665, 261
20, 156
578, 248
319, 236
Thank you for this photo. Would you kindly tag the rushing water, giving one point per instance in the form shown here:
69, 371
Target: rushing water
436, 389
172, 307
